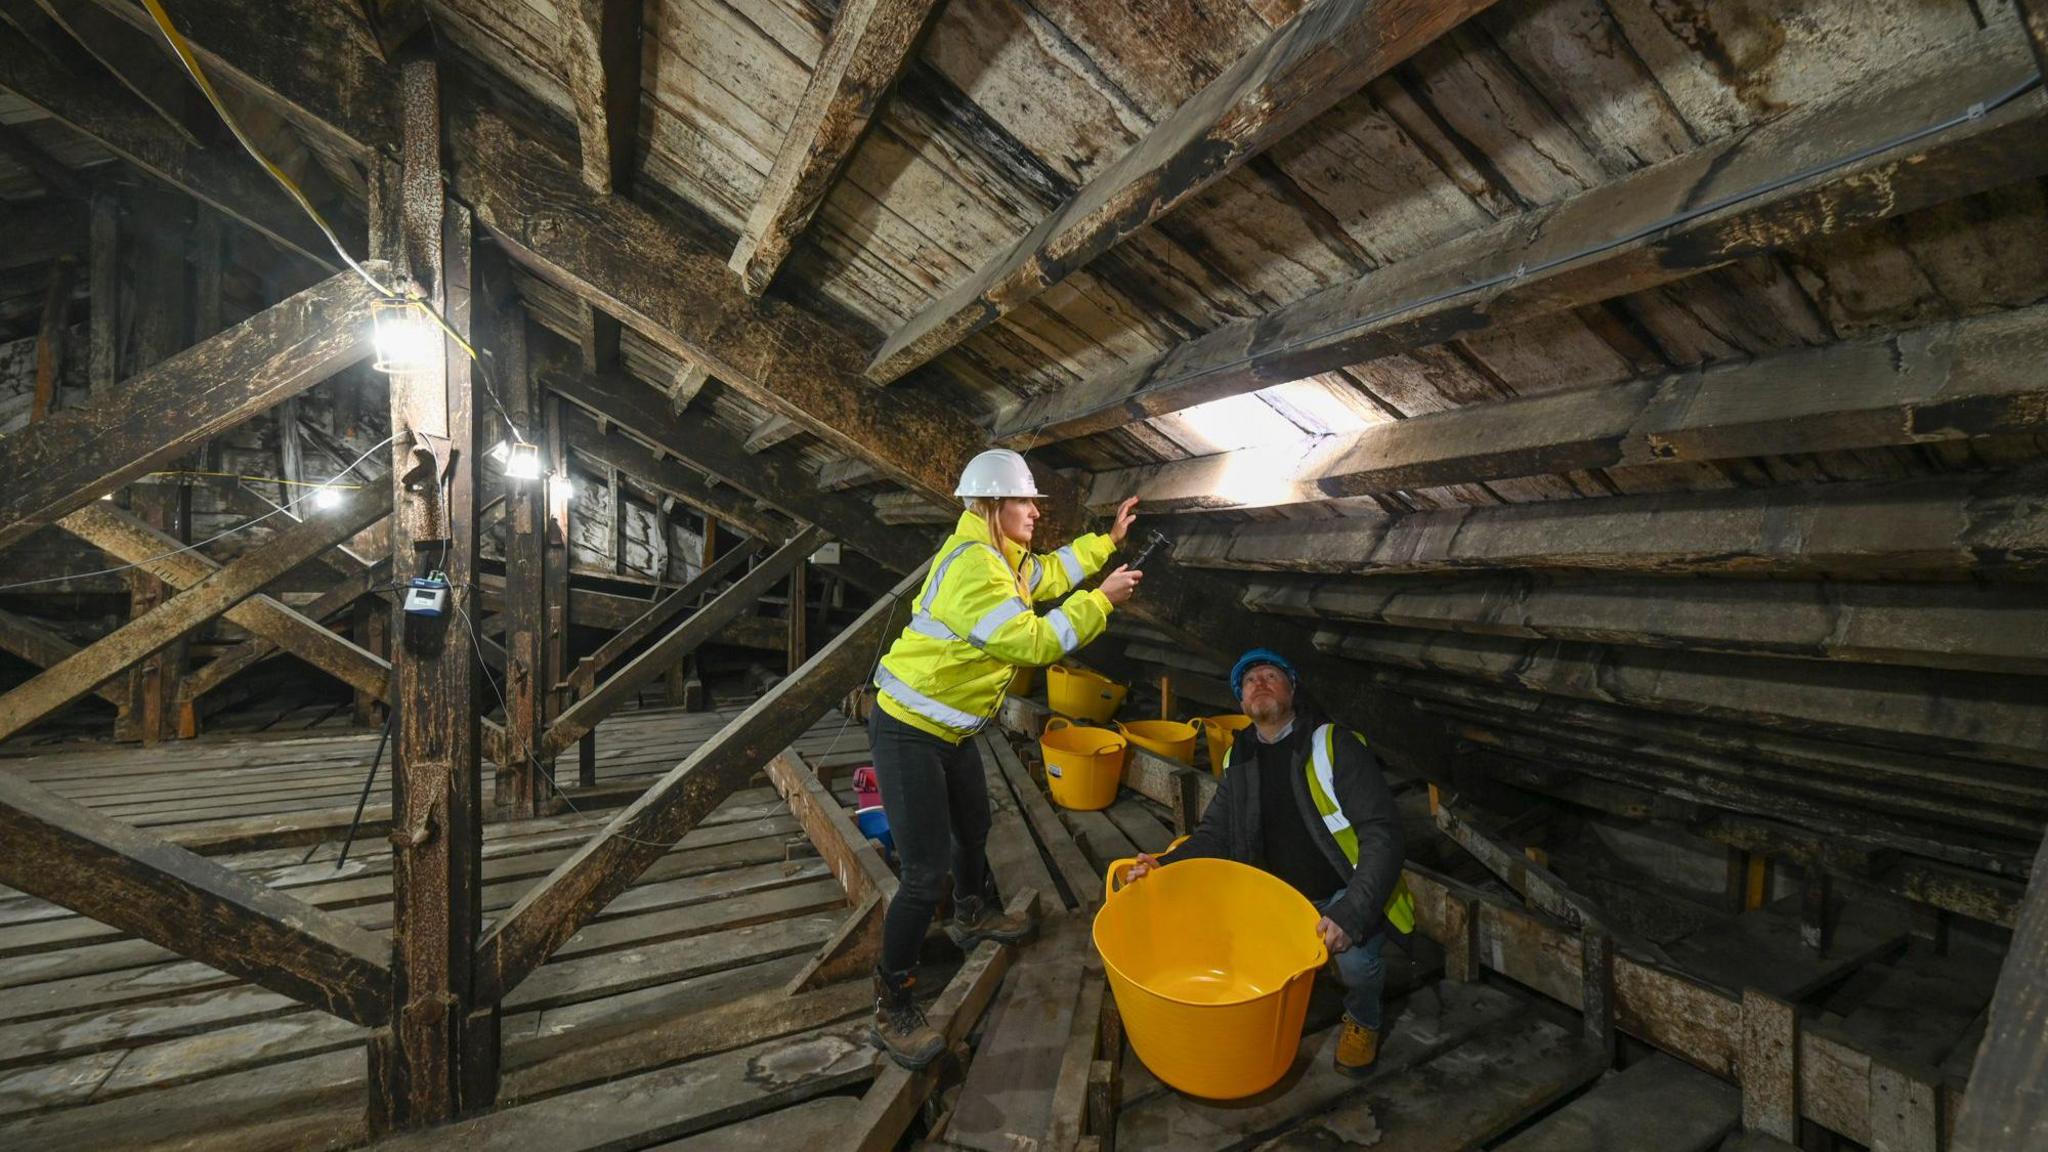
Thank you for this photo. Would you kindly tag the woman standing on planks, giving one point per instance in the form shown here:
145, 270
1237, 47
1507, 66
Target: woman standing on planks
942, 679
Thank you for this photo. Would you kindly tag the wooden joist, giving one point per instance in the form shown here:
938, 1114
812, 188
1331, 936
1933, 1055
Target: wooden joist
1944, 382
64, 462
142, 67
183, 613
255, 650
2007, 1104
1327, 52
580, 718
41, 647
583, 678
1531, 265
872, 42
1915, 529
600, 52
636, 837
129, 540
139, 883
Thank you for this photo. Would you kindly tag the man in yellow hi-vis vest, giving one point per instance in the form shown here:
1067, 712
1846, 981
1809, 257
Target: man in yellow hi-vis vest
1305, 801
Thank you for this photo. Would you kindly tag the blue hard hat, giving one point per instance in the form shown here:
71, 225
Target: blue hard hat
1253, 659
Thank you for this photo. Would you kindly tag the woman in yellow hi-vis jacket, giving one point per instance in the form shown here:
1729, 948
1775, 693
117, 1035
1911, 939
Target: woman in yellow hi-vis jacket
970, 629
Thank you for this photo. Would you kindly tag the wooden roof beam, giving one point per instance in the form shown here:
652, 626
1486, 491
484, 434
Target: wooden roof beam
584, 677
41, 647
1330, 50
257, 649
1752, 191
873, 41
58, 178
138, 59
1945, 382
613, 449
600, 53
61, 464
772, 430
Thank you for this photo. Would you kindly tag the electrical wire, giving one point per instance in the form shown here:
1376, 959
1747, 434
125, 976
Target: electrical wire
198, 544
189, 474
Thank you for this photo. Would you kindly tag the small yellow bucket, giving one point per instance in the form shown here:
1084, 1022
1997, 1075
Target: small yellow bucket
1173, 739
1220, 731
1211, 963
1083, 766
1024, 681
1082, 694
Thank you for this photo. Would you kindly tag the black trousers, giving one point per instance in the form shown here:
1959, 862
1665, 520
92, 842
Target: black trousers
937, 803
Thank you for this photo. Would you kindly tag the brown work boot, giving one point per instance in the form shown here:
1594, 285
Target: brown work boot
975, 920
900, 1027
1357, 1047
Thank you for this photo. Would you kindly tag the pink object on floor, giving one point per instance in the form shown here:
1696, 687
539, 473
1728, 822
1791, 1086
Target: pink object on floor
866, 792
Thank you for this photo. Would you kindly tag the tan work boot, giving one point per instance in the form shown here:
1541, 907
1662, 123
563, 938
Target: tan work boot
1357, 1047
900, 1027
975, 920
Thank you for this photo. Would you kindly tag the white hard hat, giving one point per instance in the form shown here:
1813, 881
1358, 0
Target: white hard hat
997, 472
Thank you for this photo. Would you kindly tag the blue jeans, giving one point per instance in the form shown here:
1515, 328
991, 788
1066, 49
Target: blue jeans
1363, 974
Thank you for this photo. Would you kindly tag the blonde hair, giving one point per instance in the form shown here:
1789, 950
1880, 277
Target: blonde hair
990, 508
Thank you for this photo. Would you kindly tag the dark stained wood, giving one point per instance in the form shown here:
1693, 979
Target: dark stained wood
600, 51
130, 540
1517, 269
580, 718
872, 42
613, 449
49, 229
50, 337
103, 280
249, 653
501, 328
853, 859
144, 68
2034, 14
1945, 382
636, 837
222, 177
42, 648
554, 572
1326, 53
434, 1062
181, 614
55, 176
584, 678
1913, 529
66, 461
137, 882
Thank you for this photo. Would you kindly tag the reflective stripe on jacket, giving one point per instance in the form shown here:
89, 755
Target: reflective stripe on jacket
970, 630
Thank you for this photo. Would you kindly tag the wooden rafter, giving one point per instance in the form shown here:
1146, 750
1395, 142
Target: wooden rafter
613, 449
41, 647
140, 883
181, 614
142, 67
257, 649
54, 174
584, 677
574, 892
1946, 382
872, 43
600, 52
65, 462
1739, 196
1330, 50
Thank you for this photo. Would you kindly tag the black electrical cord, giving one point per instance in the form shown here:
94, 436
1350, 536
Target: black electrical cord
390, 715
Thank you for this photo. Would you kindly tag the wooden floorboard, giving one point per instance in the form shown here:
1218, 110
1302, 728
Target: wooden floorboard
1658, 1104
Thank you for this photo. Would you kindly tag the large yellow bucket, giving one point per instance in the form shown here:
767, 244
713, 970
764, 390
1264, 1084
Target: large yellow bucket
1211, 963
1172, 739
1220, 731
1082, 694
1083, 766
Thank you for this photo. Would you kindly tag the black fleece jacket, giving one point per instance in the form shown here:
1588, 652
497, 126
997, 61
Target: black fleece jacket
1230, 828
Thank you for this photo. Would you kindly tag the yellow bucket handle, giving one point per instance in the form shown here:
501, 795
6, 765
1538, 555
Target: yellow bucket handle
1110, 885
1059, 722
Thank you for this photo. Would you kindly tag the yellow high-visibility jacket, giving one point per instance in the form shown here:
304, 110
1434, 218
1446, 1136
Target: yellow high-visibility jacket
970, 630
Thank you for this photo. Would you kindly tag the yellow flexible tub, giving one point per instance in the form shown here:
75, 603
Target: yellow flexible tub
1083, 766
1082, 694
1211, 963
1173, 739
1220, 731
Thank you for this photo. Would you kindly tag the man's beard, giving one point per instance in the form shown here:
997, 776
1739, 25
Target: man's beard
1268, 711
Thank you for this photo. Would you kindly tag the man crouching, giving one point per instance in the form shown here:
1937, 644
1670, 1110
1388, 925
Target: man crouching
1304, 800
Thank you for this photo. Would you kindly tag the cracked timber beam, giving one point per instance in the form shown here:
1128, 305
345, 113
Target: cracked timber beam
139, 883
1947, 382
600, 53
608, 863
1684, 215
1327, 52
872, 42
63, 463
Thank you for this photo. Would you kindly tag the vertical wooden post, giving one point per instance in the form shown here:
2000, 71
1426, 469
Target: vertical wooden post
161, 329
616, 496
1816, 929
438, 1057
1596, 996
1769, 1065
370, 624
50, 338
1737, 882
799, 582
104, 272
1462, 962
1166, 700
518, 789
1756, 889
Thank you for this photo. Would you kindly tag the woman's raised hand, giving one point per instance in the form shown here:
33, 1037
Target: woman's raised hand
1120, 584
1126, 512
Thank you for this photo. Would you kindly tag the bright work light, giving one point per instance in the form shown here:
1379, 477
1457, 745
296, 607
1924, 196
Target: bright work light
522, 462
405, 336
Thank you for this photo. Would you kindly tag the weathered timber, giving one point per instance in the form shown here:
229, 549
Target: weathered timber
1327, 52
852, 857
501, 327
600, 52
636, 837
124, 126
580, 718
584, 678
1770, 1065
64, 462
2034, 15
1965, 626
251, 652
41, 647
103, 280
139, 883
611, 448
1945, 382
1720, 202
129, 540
1910, 529
2007, 1102
872, 42
143, 68
55, 175
181, 614
1536, 884
49, 228
50, 337
770, 432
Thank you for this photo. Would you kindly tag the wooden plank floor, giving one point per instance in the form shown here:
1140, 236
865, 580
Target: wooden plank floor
107, 1041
